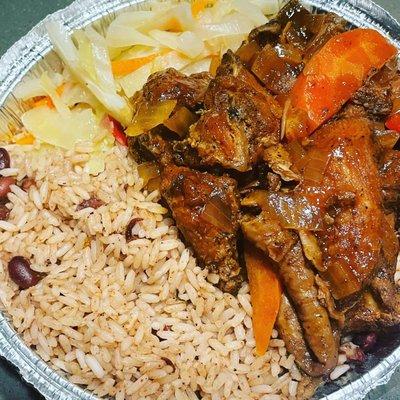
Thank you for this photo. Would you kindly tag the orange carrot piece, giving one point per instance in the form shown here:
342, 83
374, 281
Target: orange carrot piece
44, 102
265, 293
28, 139
332, 76
199, 5
125, 67
393, 122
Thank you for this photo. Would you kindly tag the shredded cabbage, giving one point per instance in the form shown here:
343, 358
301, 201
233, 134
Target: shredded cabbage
106, 92
187, 43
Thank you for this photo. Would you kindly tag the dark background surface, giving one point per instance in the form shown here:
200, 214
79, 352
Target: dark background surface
17, 17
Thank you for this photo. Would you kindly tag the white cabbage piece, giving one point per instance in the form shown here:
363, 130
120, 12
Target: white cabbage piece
251, 11
135, 81
187, 43
268, 7
91, 66
32, 86
198, 66
49, 126
233, 24
122, 36
51, 91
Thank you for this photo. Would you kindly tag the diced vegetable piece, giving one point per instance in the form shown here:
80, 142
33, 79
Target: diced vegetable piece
149, 115
393, 122
154, 184
265, 293
116, 129
277, 67
216, 213
181, 121
148, 171
332, 76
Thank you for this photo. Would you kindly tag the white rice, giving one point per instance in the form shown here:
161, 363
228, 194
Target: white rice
130, 320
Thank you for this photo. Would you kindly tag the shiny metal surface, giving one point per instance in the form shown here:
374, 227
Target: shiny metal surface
31, 53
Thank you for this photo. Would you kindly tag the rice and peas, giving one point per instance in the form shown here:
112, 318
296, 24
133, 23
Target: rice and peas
130, 316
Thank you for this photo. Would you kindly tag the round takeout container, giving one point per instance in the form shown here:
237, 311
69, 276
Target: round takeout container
32, 54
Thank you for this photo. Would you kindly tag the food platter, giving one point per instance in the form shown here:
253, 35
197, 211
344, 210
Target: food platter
32, 52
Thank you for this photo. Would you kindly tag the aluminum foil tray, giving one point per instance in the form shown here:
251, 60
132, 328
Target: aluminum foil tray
32, 54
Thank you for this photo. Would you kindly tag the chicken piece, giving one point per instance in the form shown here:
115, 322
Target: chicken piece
390, 170
389, 173
267, 233
171, 84
352, 243
189, 91
290, 331
299, 281
150, 146
158, 145
311, 249
367, 315
206, 210
375, 95
385, 289
278, 159
241, 119
284, 247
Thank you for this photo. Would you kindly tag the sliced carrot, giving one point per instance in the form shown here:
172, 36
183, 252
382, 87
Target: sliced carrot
265, 293
393, 122
27, 139
332, 76
125, 67
44, 102
199, 5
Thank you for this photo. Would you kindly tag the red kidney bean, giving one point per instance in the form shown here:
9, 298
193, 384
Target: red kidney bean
366, 341
22, 274
128, 231
357, 356
93, 202
5, 183
4, 158
169, 362
26, 183
4, 212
